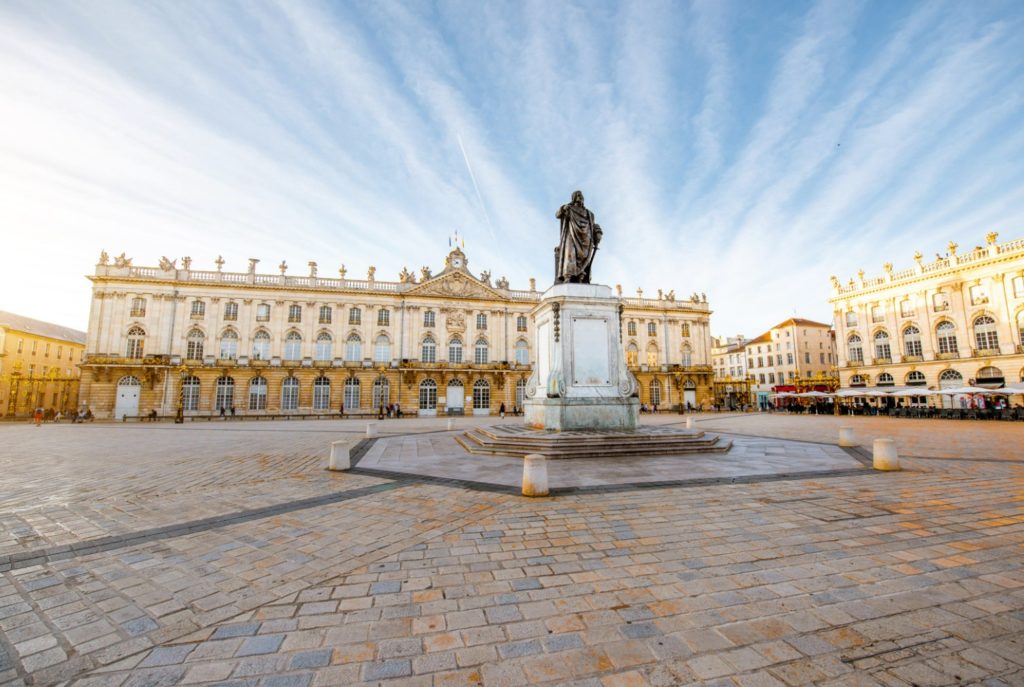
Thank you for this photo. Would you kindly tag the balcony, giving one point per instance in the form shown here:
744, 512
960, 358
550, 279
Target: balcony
881, 361
913, 358
985, 352
952, 355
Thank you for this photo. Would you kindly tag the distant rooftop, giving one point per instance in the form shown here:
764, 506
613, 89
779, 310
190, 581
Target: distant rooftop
21, 323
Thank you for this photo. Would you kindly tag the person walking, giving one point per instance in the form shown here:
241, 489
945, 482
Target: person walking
38, 416
501, 411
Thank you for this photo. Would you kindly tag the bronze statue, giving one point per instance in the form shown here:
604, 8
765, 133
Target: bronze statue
578, 242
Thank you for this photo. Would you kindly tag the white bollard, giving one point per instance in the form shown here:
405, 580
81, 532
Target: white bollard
535, 475
371, 430
341, 459
451, 424
885, 456
689, 423
846, 437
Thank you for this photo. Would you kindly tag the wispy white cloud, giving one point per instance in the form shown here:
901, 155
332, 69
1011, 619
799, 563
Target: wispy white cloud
725, 148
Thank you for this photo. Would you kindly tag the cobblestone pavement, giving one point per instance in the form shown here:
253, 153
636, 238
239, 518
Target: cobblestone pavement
910, 578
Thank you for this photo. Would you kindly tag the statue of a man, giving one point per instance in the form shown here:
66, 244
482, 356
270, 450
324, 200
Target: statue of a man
578, 242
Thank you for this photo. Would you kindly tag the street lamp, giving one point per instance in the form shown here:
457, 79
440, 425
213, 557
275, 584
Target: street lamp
179, 415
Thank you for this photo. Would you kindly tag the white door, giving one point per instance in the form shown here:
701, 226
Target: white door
690, 396
127, 402
455, 398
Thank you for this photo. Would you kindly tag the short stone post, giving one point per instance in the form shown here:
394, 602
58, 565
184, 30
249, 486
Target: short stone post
689, 423
535, 475
846, 439
371, 430
341, 459
451, 424
885, 455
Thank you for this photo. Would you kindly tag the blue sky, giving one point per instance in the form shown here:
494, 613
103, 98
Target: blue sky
746, 150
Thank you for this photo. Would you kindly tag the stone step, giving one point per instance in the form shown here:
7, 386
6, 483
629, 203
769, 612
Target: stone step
481, 441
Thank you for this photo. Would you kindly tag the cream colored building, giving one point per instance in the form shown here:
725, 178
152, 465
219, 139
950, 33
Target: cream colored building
793, 353
943, 323
170, 337
38, 365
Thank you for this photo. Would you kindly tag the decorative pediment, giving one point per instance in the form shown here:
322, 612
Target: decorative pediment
456, 284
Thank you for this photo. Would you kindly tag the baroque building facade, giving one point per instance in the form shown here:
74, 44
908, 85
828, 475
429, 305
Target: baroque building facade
957, 320
173, 340
794, 355
38, 365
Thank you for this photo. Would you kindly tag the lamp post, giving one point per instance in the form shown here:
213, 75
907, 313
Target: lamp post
179, 415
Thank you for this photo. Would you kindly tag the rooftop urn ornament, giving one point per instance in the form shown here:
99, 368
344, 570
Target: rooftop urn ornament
342, 271
578, 241
991, 238
887, 267
618, 290
186, 263
219, 262
860, 274
639, 292
312, 268
252, 265
918, 257
283, 267
952, 248
370, 272
533, 283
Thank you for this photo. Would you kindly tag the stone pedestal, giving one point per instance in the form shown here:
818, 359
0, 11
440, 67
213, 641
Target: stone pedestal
580, 381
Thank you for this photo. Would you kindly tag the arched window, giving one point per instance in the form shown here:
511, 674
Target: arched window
945, 333
382, 349
883, 350
916, 378
351, 393
480, 352
190, 393
194, 345
289, 393
257, 393
229, 344
949, 379
381, 392
354, 348
990, 377
225, 396
855, 349
521, 323
293, 346
321, 393
687, 357
455, 350
428, 318
261, 346
481, 395
912, 341
136, 342
858, 380
985, 335
520, 393
885, 379
428, 394
428, 352
652, 354
522, 352
324, 346
129, 380
655, 389
481, 321
632, 355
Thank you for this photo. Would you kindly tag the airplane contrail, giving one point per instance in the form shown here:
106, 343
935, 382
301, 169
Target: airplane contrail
472, 177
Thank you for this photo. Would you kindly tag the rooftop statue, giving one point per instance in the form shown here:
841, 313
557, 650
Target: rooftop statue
577, 243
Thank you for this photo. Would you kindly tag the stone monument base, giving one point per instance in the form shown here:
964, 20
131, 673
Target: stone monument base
567, 414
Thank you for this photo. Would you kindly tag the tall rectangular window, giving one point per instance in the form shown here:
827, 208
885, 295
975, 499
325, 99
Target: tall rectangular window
138, 307
295, 313
325, 314
383, 317
198, 310
263, 312
428, 318
355, 316
230, 312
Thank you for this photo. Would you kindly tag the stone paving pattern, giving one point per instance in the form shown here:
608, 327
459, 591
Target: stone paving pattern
911, 578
